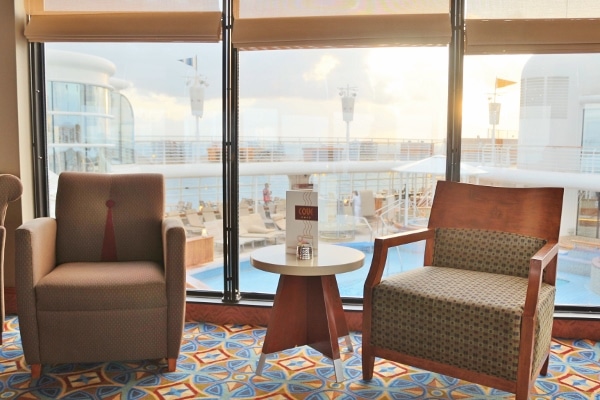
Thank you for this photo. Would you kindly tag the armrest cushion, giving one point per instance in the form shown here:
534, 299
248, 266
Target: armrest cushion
35, 257
35, 244
174, 243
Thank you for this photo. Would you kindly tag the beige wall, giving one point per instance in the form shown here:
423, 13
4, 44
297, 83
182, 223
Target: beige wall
15, 132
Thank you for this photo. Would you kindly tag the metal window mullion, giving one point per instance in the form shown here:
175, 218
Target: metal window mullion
455, 90
231, 279
39, 142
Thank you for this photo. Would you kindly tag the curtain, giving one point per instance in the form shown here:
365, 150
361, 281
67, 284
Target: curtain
280, 24
123, 21
532, 26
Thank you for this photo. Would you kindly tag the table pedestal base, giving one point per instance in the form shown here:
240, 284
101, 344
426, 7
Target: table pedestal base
307, 310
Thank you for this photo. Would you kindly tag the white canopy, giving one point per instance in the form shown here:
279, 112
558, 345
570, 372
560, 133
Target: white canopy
436, 165
430, 168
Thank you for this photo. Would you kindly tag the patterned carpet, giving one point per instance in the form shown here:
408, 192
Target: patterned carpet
218, 362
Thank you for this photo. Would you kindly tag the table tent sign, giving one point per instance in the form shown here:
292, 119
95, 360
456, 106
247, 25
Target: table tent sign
302, 220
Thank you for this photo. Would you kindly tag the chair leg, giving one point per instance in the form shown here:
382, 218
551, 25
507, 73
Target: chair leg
544, 370
523, 388
36, 371
171, 364
368, 363
521, 394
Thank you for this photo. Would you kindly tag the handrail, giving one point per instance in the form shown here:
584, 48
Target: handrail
479, 152
260, 149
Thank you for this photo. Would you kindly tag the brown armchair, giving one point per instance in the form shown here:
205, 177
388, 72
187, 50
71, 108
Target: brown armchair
11, 189
481, 308
105, 279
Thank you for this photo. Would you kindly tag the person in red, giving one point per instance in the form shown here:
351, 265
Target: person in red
266, 194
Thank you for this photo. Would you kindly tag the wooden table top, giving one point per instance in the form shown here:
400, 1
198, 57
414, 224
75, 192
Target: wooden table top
331, 260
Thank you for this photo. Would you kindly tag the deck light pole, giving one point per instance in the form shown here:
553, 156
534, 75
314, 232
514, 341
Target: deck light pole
494, 112
196, 84
348, 95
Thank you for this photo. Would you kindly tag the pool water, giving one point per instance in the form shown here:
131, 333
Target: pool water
572, 284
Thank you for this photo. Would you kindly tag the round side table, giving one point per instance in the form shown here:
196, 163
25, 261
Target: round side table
307, 309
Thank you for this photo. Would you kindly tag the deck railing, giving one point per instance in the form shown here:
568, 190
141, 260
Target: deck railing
478, 153
185, 151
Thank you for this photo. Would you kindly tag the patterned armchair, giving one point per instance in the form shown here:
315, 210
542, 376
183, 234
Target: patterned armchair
481, 308
11, 189
105, 279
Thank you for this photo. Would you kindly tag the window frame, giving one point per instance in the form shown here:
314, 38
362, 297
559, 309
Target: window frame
470, 36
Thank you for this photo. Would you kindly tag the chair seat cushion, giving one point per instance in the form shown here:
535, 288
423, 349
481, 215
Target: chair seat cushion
469, 319
102, 286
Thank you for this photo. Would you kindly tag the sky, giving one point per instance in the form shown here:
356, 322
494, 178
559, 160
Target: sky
400, 92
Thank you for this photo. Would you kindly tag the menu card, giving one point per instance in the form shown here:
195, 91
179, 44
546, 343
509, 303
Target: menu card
302, 219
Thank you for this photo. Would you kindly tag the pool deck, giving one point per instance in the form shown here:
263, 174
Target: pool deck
572, 289
572, 242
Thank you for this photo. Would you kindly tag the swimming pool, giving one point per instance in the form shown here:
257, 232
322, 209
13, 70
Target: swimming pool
572, 286
577, 261
350, 284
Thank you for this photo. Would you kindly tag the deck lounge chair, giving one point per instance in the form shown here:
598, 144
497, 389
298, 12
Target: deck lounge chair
208, 215
215, 229
279, 221
193, 223
253, 226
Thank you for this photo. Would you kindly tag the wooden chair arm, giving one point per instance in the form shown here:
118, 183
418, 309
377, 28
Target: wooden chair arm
380, 251
546, 254
544, 259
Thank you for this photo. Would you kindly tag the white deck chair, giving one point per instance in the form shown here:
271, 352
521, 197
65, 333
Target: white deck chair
208, 215
279, 221
195, 220
191, 228
253, 226
215, 229
267, 220
244, 208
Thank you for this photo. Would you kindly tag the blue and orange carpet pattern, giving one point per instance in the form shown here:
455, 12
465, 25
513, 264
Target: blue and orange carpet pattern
218, 362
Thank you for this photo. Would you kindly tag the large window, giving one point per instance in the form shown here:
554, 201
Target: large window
133, 107
338, 121
351, 103
529, 121
141, 107
130, 107
530, 96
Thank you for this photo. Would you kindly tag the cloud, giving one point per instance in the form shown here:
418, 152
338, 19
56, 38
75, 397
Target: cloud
322, 69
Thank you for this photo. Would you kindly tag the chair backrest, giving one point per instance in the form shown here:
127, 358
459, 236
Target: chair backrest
208, 215
260, 209
195, 220
10, 190
109, 217
486, 251
532, 212
252, 222
367, 203
492, 229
